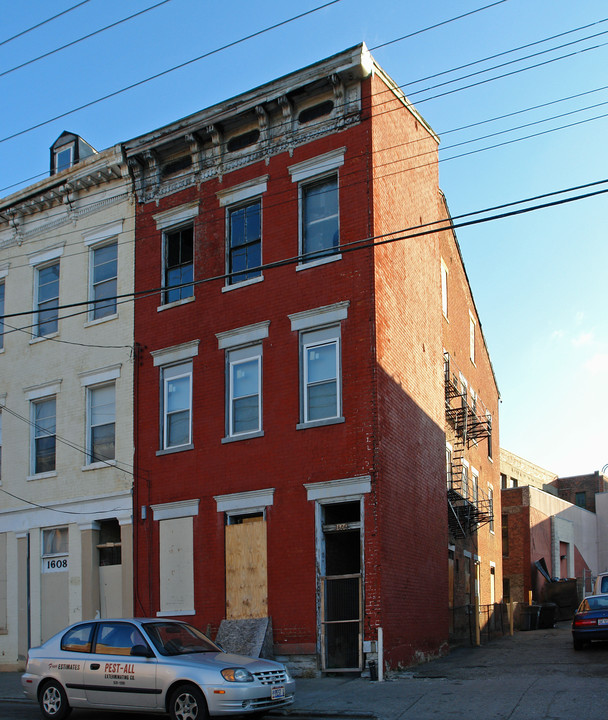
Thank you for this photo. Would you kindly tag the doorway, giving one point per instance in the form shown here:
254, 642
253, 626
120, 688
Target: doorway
341, 587
246, 566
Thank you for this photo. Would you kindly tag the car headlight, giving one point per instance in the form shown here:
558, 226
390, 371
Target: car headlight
237, 675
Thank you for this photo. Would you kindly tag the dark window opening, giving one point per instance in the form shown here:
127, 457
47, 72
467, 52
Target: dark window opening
316, 111
176, 166
179, 265
242, 141
110, 550
245, 241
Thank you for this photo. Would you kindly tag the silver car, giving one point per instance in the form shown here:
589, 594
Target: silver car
150, 665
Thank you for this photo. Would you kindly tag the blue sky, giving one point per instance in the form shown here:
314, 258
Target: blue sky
539, 279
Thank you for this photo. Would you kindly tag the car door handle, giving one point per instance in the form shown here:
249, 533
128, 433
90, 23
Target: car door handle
95, 666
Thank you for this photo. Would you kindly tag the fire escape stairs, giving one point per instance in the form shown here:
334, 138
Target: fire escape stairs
469, 507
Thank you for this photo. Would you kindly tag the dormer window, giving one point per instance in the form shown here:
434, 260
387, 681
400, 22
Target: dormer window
64, 158
68, 150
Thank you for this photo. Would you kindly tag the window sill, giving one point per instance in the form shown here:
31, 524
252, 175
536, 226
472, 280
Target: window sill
242, 436
42, 476
98, 465
244, 283
175, 303
320, 423
179, 448
175, 613
99, 321
41, 338
318, 261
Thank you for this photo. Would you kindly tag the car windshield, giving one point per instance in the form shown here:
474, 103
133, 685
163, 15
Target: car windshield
171, 638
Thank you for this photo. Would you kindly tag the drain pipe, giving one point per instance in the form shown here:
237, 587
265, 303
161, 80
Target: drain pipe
380, 655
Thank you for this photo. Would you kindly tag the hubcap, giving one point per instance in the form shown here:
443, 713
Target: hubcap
186, 707
51, 701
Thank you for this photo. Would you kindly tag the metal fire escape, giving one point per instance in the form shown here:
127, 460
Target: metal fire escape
469, 506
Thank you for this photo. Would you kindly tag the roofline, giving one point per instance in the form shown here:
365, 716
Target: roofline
356, 60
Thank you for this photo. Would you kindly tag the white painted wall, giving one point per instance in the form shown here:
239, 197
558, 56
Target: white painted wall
75, 493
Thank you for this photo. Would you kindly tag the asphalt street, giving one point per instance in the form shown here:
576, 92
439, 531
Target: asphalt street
535, 675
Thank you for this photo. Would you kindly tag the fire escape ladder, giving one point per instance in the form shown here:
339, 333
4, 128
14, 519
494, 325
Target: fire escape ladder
469, 507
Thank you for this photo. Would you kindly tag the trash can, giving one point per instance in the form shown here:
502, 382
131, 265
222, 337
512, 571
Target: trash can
529, 617
373, 670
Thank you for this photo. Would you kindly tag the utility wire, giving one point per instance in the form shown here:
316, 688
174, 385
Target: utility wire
439, 24
81, 39
53, 509
43, 432
401, 234
170, 70
345, 185
44, 22
402, 86
212, 52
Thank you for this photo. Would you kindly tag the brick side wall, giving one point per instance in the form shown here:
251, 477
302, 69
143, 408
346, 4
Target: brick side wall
411, 485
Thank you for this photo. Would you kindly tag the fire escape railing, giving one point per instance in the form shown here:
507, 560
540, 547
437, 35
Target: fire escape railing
467, 422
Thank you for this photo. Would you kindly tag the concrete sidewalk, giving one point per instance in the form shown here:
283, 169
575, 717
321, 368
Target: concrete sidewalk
532, 675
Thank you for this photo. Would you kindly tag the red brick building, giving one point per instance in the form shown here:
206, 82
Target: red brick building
290, 396
472, 450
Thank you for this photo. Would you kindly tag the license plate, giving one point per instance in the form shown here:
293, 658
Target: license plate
277, 693
602, 621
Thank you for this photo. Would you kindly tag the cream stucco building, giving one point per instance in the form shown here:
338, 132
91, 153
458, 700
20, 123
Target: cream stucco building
66, 393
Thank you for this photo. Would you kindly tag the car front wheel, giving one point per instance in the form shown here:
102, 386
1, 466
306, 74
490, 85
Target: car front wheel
187, 703
53, 701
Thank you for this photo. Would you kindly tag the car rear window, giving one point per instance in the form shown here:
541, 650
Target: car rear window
596, 603
78, 639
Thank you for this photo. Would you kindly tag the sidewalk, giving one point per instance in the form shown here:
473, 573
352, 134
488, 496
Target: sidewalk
530, 676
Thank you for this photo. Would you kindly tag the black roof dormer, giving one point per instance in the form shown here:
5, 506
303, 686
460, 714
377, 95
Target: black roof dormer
68, 150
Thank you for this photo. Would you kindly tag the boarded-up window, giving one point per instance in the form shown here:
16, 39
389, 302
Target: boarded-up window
176, 566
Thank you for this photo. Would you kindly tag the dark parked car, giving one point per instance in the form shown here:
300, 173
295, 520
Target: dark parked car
590, 621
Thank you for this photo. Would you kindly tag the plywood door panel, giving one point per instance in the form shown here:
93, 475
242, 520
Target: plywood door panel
246, 571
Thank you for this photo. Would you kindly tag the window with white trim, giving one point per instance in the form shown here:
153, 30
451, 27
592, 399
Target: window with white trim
103, 280
318, 194
176, 405
319, 231
43, 437
465, 479
244, 390
47, 299
101, 423
321, 377
475, 486
491, 506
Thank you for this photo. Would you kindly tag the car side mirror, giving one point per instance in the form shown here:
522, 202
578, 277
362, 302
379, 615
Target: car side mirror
141, 651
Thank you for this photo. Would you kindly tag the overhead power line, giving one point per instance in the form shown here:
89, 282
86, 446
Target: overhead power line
44, 22
81, 39
170, 70
441, 225
436, 25
344, 177
213, 52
